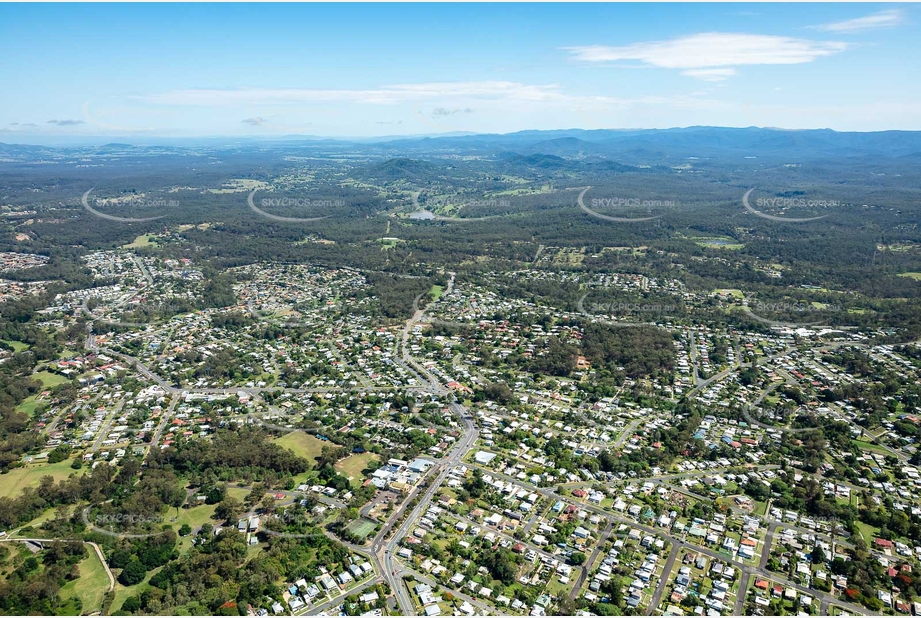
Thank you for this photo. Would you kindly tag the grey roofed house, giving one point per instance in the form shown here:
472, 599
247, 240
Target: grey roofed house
420, 465
484, 457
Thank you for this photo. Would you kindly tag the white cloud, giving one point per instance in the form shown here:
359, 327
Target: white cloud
710, 75
882, 19
390, 94
712, 49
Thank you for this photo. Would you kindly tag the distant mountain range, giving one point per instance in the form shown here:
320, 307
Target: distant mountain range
634, 147
657, 145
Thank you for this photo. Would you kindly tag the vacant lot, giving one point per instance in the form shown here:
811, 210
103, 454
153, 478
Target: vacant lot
352, 466
91, 586
144, 240
31, 475
49, 379
303, 444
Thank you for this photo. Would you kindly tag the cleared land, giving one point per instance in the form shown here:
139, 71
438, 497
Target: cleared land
142, 241
303, 444
352, 465
31, 475
49, 379
91, 586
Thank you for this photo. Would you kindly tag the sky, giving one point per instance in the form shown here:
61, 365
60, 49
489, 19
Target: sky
359, 70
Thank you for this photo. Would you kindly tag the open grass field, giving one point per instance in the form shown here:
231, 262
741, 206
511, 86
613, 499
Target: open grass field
195, 516
867, 531
91, 586
915, 276
144, 240
49, 379
719, 243
303, 444
436, 292
873, 448
18, 346
352, 466
31, 475
123, 592
28, 405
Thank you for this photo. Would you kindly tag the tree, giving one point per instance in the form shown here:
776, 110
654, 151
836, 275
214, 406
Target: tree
256, 494
229, 509
475, 485
131, 605
577, 558
818, 555
185, 530
133, 573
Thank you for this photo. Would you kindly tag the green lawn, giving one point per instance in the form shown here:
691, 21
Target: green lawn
436, 292
195, 517
874, 448
867, 531
31, 475
18, 346
49, 379
915, 276
303, 444
144, 240
91, 586
352, 466
28, 405
123, 592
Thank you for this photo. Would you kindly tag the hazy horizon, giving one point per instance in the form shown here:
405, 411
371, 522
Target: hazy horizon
365, 71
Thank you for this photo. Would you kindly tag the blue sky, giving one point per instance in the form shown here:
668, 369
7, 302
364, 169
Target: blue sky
406, 69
